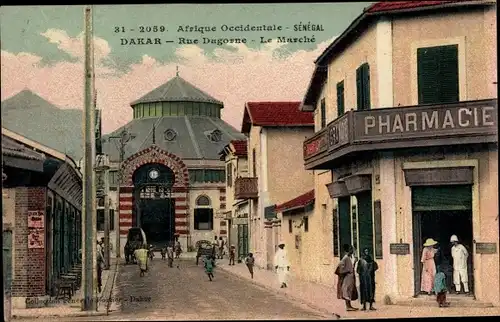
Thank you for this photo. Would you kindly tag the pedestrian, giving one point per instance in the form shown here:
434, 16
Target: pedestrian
209, 264
151, 252
428, 266
250, 262
281, 264
440, 287
460, 255
221, 247
163, 252
178, 248
100, 267
232, 254
366, 269
170, 254
141, 255
346, 285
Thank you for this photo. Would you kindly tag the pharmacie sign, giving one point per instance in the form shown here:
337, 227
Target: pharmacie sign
424, 121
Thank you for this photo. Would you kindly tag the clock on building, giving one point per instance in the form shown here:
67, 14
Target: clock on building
154, 174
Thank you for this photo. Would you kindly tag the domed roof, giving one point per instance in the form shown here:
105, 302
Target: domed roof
188, 137
176, 90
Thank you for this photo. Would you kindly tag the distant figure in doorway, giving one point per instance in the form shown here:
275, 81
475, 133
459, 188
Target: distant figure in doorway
440, 287
178, 249
141, 255
163, 252
346, 285
221, 248
250, 262
215, 245
232, 254
366, 269
460, 256
170, 254
281, 264
209, 264
429, 266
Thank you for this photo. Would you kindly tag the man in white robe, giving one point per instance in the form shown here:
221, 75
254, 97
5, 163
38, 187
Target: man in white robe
460, 255
281, 264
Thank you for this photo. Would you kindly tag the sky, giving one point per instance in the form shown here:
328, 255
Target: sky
42, 50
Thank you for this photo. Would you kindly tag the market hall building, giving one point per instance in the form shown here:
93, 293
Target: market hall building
172, 179
405, 104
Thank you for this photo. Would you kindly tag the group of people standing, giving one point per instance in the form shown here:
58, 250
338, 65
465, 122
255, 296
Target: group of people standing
433, 280
365, 267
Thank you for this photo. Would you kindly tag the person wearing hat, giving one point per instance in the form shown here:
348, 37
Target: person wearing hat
232, 254
281, 264
429, 266
460, 255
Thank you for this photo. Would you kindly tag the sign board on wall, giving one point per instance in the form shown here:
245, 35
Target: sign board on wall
36, 224
486, 248
399, 249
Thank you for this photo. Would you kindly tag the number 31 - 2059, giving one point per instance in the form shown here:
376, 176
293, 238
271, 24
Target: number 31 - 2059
152, 28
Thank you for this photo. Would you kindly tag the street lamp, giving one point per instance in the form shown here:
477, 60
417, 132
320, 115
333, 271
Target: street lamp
102, 177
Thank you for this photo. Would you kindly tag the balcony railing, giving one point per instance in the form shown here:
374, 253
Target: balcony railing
246, 188
468, 122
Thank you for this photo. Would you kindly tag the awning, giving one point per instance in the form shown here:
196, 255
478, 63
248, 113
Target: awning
17, 155
68, 185
299, 202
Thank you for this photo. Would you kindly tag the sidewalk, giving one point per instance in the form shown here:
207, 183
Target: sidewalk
72, 308
323, 298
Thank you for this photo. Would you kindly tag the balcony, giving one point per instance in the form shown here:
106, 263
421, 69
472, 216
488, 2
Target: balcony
468, 122
246, 188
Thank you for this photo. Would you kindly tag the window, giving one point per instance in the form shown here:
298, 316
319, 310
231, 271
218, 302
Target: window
229, 174
100, 219
340, 99
203, 201
206, 175
437, 70
254, 164
203, 219
166, 109
306, 224
363, 87
290, 226
323, 113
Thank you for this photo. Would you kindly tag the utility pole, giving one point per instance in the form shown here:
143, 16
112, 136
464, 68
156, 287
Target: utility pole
106, 217
123, 138
88, 206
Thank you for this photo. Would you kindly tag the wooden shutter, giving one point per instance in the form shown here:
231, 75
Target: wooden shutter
366, 86
365, 221
377, 223
344, 205
435, 198
437, 70
323, 113
340, 99
336, 249
359, 88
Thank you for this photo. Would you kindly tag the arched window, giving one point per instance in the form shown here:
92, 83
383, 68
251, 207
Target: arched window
203, 201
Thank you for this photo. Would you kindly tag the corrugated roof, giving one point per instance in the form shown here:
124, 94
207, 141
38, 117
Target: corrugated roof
300, 201
275, 114
12, 148
38, 120
177, 90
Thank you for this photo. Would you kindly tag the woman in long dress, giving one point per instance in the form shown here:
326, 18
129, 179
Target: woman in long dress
346, 286
428, 266
366, 269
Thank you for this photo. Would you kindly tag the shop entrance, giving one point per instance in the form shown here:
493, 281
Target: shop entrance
440, 212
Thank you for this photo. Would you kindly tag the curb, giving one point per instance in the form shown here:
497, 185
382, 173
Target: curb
289, 296
108, 288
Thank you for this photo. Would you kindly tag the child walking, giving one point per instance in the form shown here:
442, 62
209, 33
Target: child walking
209, 264
440, 287
232, 254
250, 262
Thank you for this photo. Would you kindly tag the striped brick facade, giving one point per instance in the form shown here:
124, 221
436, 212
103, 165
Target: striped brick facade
180, 190
222, 200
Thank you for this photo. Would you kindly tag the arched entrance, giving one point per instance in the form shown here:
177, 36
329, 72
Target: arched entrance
154, 205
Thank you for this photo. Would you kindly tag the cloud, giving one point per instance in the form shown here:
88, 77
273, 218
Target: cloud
233, 75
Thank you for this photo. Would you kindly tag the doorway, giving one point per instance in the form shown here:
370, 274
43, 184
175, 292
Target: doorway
438, 213
155, 214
